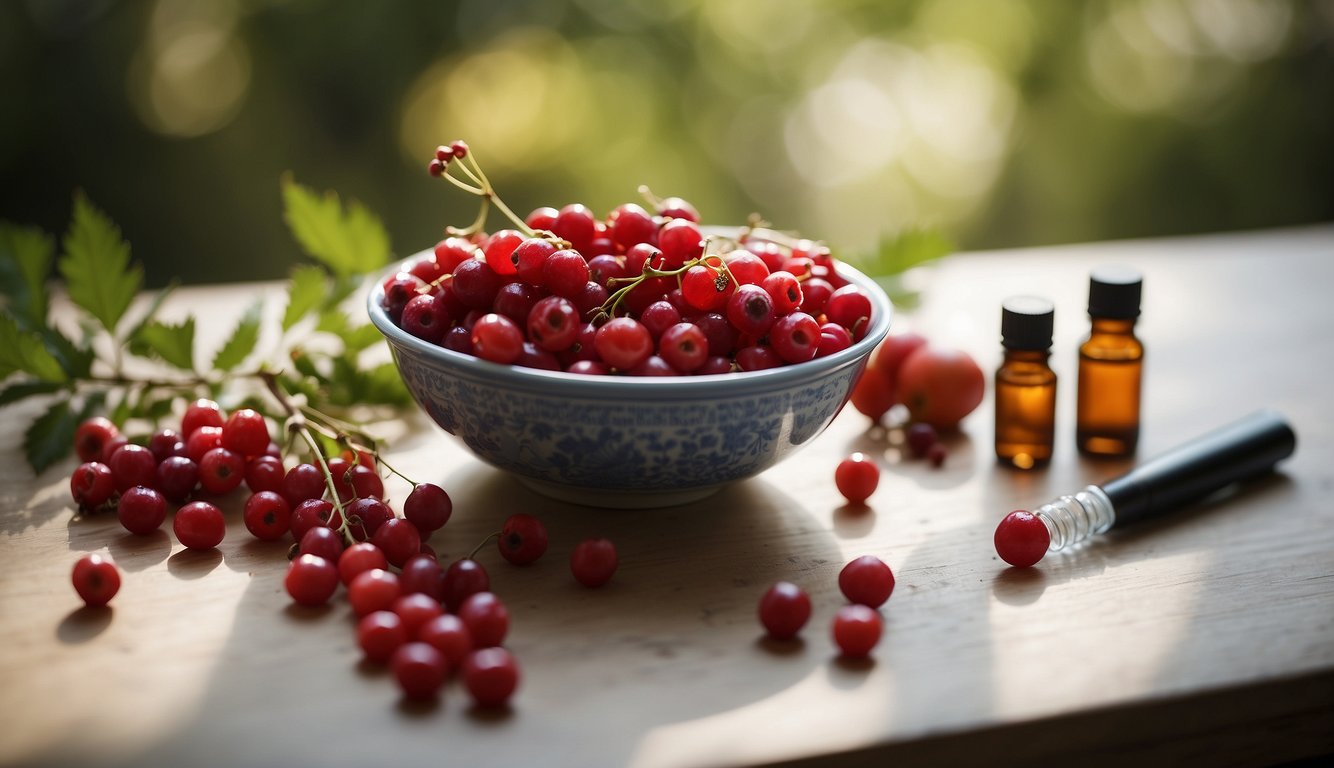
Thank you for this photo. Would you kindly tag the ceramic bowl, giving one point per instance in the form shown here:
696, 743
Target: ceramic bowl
629, 442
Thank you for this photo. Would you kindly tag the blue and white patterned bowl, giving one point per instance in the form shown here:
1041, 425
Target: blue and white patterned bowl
630, 442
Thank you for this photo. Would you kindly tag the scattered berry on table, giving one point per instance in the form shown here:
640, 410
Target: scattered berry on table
593, 562
1022, 538
866, 580
856, 478
856, 629
96, 579
784, 610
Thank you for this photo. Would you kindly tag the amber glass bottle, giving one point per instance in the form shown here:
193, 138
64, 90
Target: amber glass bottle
1025, 384
1111, 364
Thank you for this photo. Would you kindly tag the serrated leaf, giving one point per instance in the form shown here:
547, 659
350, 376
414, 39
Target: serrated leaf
242, 341
26, 254
75, 360
349, 241
96, 265
382, 385
305, 291
21, 390
50, 436
24, 351
173, 344
150, 312
898, 253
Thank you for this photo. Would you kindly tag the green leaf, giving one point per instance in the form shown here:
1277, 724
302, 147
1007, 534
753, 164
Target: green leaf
898, 253
75, 360
242, 341
360, 337
306, 291
151, 312
24, 351
349, 241
50, 436
96, 265
26, 254
173, 344
383, 385
21, 390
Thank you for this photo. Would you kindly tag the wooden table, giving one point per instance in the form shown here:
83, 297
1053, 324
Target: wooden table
1207, 637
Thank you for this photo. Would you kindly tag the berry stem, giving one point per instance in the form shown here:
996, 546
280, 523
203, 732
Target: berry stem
490, 537
469, 166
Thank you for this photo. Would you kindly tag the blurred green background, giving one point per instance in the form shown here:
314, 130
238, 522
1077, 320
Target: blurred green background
1002, 122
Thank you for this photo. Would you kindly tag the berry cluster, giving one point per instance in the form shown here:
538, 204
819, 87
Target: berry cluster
866, 582
421, 618
638, 293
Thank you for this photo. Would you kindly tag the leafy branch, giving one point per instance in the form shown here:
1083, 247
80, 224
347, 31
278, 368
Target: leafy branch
81, 360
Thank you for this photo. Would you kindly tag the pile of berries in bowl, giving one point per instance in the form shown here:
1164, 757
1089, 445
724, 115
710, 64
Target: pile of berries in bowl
633, 361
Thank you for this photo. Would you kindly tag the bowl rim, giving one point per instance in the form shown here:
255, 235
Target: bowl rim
651, 386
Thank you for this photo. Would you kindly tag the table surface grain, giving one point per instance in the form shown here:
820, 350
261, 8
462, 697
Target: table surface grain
1205, 637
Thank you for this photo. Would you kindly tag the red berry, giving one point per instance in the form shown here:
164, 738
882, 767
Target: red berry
398, 539
365, 516
593, 562
475, 284
486, 617
1022, 538
425, 317
543, 218
499, 251
491, 676
415, 609
684, 346
516, 300
706, 288
795, 337
199, 525
867, 581
857, 477
463, 579
631, 225
784, 610
267, 516
623, 343
379, 634
419, 669
92, 484
746, 267
373, 590
201, 441
398, 291
92, 436
449, 636
245, 433
200, 413
359, 558
750, 310
575, 223
565, 273
423, 574
96, 580
311, 580
856, 630
784, 289
304, 481
133, 465
920, 437
850, 308
553, 324
936, 455
530, 257
366, 482
523, 539
497, 338
680, 241
322, 542
221, 471
311, 514
141, 510
676, 208
428, 507
265, 473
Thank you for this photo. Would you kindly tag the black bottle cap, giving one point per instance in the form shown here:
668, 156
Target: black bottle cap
1114, 292
1026, 323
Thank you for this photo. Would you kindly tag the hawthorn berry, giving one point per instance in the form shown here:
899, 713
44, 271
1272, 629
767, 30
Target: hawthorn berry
784, 610
221, 470
96, 579
373, 590
449, 635
398, 539
464, 578
245, 433
593, 562
92, 484
1022, 538
856, 630
856, 478
199, 525
491, 675
419, 669
92, 436
486, 617
428, 507
415, 609
523, 539
132, 465
359, 558
141, 510
866, 580
379, 634
311, 580
201, 413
